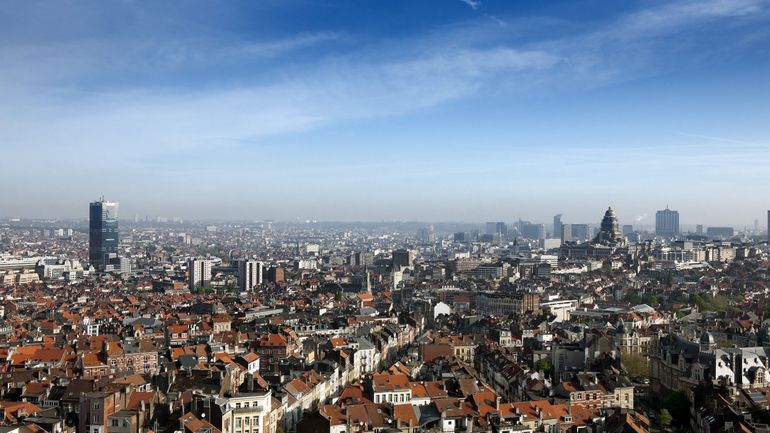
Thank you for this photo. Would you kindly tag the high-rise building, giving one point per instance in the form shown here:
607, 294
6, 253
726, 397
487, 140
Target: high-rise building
531, 231
566, 232
103, 236
402, 258
249, 274
497, 228
363, 258
667, 222
198, 273
628, 230
557, 226
275, 275
699, 229
768, 226
426, 234
581, 232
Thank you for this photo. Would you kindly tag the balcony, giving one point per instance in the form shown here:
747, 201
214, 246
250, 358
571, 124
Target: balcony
252, 410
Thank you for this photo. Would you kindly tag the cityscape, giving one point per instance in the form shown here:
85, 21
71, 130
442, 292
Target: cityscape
433, 216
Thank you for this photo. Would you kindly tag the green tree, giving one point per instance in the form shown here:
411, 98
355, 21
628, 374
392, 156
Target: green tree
544, 366
678, 406
636, 364
665, 417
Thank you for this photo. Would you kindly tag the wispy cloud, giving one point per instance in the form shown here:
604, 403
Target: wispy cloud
473, 4
140, 101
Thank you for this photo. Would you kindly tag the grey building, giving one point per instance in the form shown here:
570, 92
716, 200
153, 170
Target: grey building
667, 222
103, 236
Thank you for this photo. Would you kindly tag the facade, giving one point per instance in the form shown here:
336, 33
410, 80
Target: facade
95, 409
557, 226
199, 273
497, 228
402, 258
249, 274
610, 234
132, 357
720, 232
103, 236
246, 412
503, 305
679, 364
628, 229
667, 222
531, 231
580, 232
271, 348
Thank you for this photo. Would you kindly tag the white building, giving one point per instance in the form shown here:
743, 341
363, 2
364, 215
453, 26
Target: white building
198, 273
249, 274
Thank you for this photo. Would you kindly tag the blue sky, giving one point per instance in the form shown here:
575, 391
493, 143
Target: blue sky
442, 110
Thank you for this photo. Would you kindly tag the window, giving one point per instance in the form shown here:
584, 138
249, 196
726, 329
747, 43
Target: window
238, 423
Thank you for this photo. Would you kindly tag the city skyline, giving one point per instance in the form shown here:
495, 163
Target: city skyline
644, 222
432, 111
488, 227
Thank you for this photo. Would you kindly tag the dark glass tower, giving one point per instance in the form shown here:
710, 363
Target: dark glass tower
103, 235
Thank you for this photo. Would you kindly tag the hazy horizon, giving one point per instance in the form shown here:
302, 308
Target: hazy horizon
442, 110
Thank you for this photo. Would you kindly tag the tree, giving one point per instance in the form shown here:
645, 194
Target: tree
544, 366
636, 364
665, 417
678, 406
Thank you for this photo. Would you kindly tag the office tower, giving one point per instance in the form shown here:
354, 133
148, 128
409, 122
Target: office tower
667, 222
198, 273
581, 232
557, 226
497, 228
699, 229
566, 232
363, 258
609, 233
249, 274
768, 226
103, 235
628, 229
425, 234
402, 258
531, 231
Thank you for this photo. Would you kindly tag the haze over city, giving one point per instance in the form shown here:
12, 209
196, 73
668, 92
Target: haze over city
447, 110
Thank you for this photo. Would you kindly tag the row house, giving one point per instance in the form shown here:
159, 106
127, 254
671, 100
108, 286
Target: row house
132, 357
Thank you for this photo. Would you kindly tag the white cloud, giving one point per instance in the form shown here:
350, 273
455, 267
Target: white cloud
473, 4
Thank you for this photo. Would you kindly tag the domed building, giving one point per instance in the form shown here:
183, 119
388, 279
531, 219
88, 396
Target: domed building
610, 234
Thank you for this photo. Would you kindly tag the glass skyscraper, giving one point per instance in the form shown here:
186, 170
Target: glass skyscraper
103, 236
